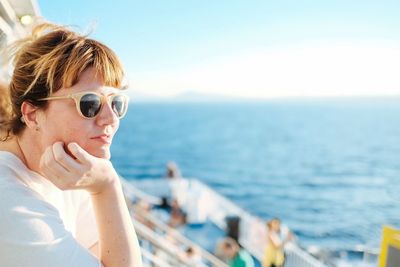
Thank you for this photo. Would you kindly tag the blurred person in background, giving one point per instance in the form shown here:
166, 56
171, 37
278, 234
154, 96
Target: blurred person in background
229, 250
274, 252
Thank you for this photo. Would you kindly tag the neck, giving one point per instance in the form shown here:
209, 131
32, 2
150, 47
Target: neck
19, 146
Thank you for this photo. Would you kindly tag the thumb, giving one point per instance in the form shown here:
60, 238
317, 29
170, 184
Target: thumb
79, 153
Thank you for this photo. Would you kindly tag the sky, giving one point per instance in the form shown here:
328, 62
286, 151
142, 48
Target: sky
248, 48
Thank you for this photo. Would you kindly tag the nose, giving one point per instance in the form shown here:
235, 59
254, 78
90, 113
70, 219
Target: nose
106, 115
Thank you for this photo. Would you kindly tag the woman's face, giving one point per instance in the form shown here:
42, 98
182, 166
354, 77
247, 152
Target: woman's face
276, 225
62, 122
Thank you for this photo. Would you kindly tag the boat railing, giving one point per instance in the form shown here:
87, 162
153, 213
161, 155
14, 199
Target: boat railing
160, 246
165, 230
132, 193
295, 256
252, 229
182, 240
218, 209
151, 260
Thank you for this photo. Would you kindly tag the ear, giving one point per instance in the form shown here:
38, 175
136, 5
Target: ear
29, 115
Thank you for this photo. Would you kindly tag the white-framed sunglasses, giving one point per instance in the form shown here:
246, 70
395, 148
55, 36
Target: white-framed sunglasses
89, 104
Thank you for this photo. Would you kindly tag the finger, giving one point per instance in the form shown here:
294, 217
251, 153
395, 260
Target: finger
54, 172
77, 151
63, 158
47, 159
60, 178
49, 163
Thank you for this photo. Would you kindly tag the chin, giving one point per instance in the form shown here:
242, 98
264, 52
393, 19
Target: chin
103, 153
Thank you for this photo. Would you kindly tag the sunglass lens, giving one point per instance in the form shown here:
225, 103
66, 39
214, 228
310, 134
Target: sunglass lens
119, 105
90, 105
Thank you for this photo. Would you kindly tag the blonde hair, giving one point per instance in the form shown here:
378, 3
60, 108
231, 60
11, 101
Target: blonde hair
51, 58
270, 222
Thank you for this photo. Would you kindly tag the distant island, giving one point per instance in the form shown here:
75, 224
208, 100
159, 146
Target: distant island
188, 96
192, 96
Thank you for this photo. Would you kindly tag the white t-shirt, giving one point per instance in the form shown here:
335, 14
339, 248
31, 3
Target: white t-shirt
41, 225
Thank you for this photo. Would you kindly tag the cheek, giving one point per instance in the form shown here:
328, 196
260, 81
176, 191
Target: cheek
68, 132
78, 133
62, 124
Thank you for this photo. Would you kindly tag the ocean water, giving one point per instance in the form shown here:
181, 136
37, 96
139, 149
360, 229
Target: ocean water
330, 169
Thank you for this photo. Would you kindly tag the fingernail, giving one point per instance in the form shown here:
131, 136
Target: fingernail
58, 143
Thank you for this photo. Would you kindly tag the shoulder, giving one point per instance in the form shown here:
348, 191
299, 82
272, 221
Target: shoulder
32, 232
24, 215
246, 257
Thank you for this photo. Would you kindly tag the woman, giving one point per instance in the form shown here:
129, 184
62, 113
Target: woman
61, 202
274, 255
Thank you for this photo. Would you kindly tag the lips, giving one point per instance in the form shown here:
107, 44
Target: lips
104, 138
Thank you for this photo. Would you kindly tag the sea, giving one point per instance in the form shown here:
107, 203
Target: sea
328, 168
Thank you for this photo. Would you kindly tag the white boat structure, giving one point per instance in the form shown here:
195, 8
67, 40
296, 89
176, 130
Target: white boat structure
204, 206
15, 18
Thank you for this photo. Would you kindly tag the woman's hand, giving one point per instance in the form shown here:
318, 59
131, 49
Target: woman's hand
82, 172
77, 169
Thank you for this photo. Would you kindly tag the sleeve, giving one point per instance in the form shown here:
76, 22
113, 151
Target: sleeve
33, 234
